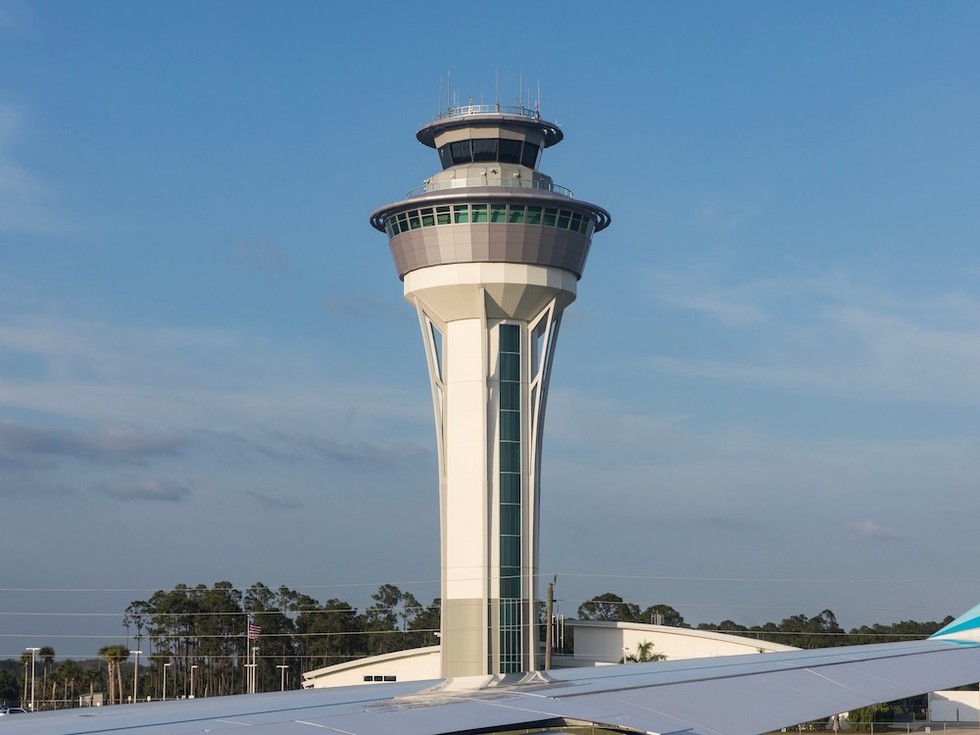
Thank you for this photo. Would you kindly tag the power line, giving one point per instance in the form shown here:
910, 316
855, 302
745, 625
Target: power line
205, 588
767, 580
561, 574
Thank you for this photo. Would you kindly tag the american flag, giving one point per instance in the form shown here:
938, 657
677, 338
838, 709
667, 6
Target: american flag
253, 630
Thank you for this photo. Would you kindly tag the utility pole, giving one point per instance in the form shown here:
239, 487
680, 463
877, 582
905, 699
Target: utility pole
33, 652
549, 615
136, 673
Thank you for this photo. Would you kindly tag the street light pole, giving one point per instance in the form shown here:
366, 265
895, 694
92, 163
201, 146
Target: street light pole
193, 679
136, 673
33, 652
255, 669
165, 682
282, 676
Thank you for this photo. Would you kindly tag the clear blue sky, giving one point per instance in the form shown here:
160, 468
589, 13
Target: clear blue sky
766, 400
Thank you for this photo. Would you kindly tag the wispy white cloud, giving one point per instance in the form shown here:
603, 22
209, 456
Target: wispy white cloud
678, 465
731, 305
112, 445
116, 374
274, 501
79, 397
132, 488
14, 15
288, 446
827, 335
871, 529
349, 452
725, 218
16, 487
24, 198
360, 306
262, 254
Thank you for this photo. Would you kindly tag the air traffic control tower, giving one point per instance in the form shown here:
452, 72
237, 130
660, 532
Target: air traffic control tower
490, 250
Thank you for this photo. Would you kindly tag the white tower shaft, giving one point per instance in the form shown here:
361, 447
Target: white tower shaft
497, 324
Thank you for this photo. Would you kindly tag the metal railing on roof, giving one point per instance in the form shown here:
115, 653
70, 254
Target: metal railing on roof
489, 180
462, 110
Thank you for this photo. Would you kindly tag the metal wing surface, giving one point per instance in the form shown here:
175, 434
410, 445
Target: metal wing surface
735, 695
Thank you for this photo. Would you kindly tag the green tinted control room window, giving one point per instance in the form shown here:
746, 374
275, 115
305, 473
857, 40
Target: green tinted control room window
486, 212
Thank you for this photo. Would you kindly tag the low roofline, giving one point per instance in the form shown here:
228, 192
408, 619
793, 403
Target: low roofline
393, 656
686, 632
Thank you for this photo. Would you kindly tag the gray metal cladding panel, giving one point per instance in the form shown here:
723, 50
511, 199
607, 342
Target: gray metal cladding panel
532, 250
490, 243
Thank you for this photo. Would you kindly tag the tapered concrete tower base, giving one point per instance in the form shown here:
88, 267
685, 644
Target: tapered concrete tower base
467, 304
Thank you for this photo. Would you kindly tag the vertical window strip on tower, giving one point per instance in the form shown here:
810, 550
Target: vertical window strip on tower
509, 374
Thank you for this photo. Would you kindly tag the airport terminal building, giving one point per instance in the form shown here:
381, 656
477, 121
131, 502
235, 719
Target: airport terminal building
596, 644
604, 643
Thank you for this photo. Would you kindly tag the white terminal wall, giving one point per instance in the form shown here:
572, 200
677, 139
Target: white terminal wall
955, 706
604, 642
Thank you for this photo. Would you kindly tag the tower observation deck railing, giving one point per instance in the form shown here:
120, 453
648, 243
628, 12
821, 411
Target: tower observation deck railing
495, 109
521, 183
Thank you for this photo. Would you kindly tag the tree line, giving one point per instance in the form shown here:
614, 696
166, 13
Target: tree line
194, 641
802, 631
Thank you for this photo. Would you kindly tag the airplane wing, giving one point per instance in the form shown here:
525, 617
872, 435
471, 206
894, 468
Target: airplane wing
733, 695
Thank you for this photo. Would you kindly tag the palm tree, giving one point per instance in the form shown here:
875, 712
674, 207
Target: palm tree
47, 657
114, 656
70, 673
644, 652
107, 653
88, 677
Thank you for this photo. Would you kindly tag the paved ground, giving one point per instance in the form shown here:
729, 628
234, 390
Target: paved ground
949, 728
937, 728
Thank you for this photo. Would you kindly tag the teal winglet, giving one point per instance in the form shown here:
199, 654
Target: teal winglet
968, 622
